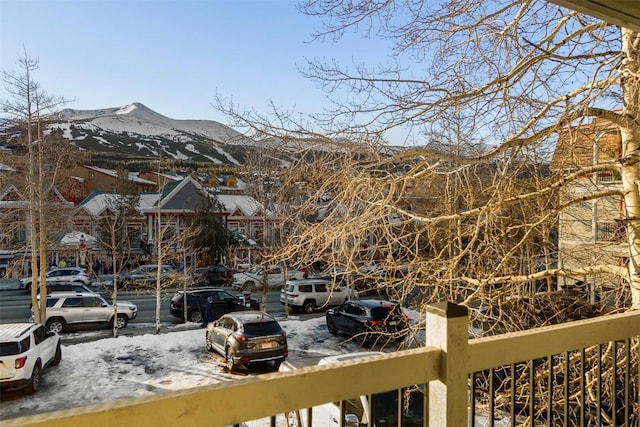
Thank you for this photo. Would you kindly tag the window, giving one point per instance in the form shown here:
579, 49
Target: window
263, 328
13, 348
321, 287
304, 288
93, 302
73, 302
92, 176
609, 232
40, 334
353, 309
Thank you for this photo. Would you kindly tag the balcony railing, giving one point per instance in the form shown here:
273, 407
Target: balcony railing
448, 365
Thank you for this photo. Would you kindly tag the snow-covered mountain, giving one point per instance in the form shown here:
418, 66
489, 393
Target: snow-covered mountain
137, 132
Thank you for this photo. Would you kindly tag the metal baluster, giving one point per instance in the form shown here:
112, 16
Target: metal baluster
532, 394
513, 395
309, 417
599, 387
582, 388
550, 391
473, 397
566, 388
399, 408
492, 392
627, 381
426, 404
614, 390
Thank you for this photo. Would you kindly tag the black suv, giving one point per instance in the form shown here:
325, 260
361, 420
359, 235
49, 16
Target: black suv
223, 302
215, 275
368, 320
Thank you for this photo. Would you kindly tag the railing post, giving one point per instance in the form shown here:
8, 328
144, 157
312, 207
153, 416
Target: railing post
448, 329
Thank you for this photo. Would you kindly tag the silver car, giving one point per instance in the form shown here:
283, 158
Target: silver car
61, 275
308, 295
67, 309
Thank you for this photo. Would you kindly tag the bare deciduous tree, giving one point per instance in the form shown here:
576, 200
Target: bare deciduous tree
470, 213
28, 111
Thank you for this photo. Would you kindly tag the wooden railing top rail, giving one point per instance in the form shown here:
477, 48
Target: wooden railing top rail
504, 349
253, 398
230, 403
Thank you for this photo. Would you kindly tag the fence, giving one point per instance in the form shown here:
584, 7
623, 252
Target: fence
445, 366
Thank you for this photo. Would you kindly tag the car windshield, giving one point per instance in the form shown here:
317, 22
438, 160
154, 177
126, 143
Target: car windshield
255, 270
262, 328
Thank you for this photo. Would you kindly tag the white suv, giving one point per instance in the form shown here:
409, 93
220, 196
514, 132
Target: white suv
65, 275
71, 308
25, 350
310, 294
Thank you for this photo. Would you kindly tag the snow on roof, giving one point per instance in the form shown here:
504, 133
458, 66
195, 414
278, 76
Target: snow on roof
133, 176
97, 202
232, 202
148, 201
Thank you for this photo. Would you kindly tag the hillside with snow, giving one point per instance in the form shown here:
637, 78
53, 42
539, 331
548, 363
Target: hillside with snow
135, 131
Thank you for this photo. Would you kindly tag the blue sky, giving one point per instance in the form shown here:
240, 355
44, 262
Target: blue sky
171, 55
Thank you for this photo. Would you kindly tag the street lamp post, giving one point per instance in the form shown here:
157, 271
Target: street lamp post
83, 250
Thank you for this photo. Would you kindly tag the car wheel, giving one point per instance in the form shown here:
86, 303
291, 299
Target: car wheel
34, 381
331, 326
121, 321
231, 364
309, 307
58, 356
195, 316
56, 325
248, 285
276, 365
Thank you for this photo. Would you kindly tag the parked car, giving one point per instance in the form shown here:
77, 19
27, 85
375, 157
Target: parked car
247, 337
66, 275
215, 275
368, 320
310, 294
382, 411
78, 288
66, 309
275, 277
223, 302
143, 275
26, 349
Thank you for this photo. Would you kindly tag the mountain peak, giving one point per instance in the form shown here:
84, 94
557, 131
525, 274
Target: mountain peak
131, 108
134, 130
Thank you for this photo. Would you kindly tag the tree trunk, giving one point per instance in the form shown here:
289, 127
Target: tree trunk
630, 134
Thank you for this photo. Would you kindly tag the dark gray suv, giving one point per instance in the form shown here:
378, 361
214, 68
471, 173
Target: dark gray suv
248, 337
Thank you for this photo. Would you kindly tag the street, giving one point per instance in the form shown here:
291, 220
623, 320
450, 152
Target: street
15, 303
